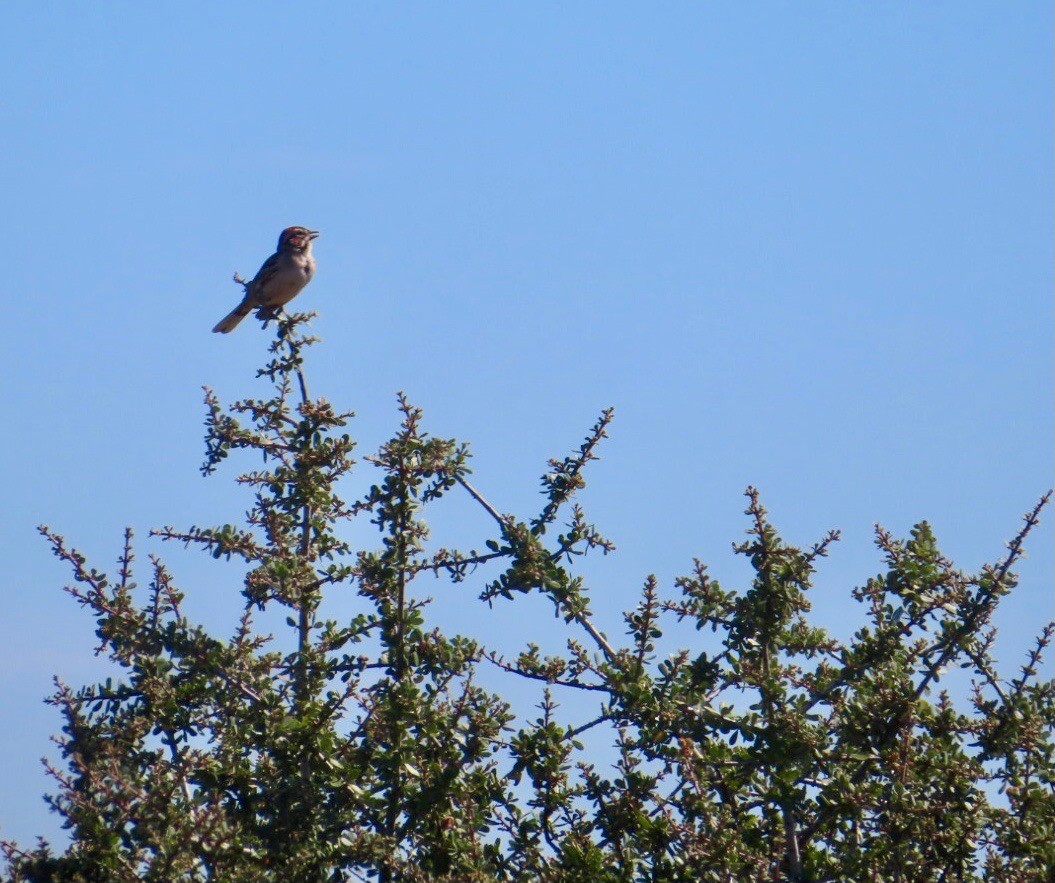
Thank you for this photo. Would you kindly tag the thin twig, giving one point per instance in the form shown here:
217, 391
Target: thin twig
602, 642
502, 520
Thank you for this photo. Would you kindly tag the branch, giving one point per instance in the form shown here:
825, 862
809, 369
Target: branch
497, 661
985, 604
602, 642
503, 520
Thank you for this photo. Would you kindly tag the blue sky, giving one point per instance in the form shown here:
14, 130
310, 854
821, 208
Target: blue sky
801, 246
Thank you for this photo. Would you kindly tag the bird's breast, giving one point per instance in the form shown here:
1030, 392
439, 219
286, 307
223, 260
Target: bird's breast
285, 282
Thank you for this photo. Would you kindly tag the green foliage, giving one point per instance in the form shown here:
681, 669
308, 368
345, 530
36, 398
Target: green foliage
366, 749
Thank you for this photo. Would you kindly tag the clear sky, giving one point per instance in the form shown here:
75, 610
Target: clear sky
801, 246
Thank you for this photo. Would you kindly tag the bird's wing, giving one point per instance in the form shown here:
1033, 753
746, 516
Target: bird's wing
266, 271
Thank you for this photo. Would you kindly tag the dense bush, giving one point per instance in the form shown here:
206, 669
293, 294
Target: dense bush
366, 749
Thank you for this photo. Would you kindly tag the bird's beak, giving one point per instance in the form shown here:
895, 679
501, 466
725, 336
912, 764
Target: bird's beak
313, 234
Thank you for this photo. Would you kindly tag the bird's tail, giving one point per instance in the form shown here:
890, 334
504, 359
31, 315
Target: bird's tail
229, 322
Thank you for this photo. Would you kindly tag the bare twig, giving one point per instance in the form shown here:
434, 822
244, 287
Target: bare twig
502, 520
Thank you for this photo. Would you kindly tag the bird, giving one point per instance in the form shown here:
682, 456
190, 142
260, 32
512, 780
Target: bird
281, 278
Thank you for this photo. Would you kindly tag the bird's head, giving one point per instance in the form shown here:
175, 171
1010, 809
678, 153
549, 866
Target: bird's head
296, 239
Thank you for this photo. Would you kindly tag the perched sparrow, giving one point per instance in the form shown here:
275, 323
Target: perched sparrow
278, 281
